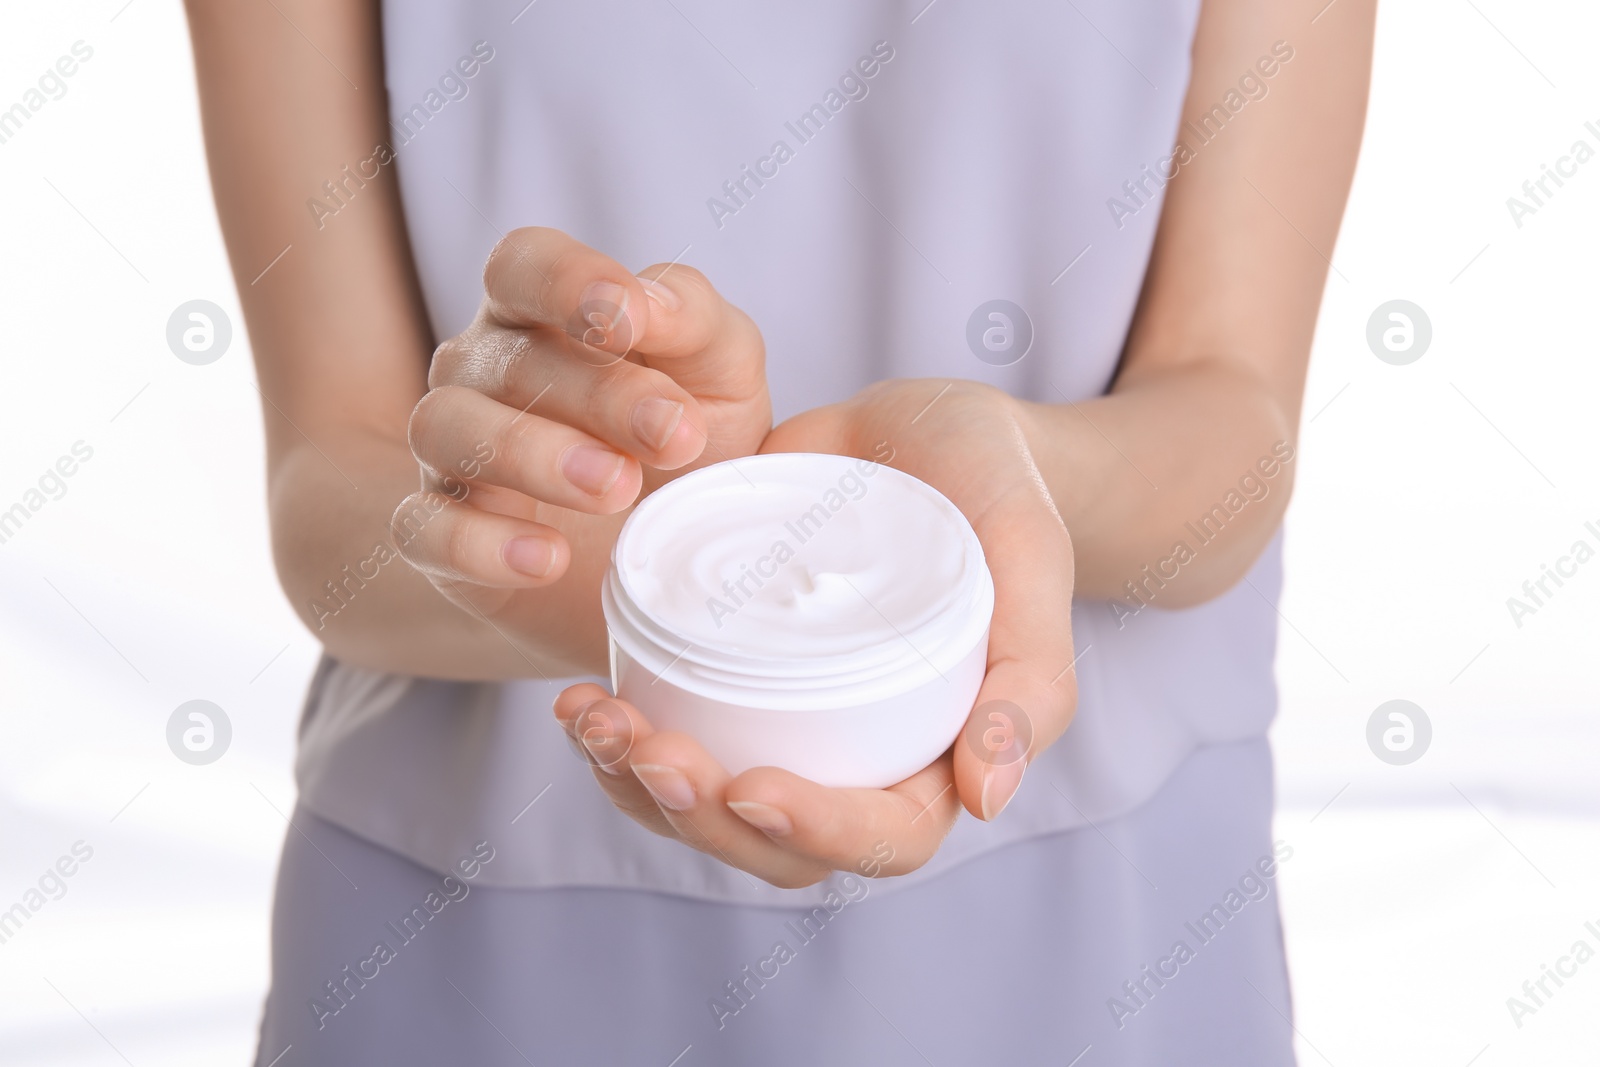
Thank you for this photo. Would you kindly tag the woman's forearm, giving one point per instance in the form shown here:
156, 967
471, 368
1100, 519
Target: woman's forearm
337, 543
1173, 483
1171, 487
341, 347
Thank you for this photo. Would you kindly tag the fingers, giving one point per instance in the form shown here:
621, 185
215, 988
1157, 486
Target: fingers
460, 435
558, 320
710, 347
870, 831
671, 785
537, 276
540, 277
604, 732
451, 541
769, 822
635, 409
687, 785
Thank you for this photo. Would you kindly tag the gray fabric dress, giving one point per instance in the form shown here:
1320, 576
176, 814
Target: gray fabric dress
933, 159
1023, 956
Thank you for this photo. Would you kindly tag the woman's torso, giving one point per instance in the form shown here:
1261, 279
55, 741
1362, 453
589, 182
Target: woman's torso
862, 178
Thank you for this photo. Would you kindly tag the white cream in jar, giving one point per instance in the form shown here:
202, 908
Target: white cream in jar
819, 613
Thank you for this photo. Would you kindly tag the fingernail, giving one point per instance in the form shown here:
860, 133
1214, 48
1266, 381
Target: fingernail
591, 468
603, 306
659, 293
576, 717
764, 817
1000, 784
602, 747
532, 556
667, 784
655, 419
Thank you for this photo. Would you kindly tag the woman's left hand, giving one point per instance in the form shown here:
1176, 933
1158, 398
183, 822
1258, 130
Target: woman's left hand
969, 442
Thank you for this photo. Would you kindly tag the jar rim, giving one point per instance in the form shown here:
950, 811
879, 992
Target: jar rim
916, 651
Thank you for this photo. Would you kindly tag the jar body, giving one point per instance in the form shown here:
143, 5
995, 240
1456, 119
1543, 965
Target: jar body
819, 613
869, 745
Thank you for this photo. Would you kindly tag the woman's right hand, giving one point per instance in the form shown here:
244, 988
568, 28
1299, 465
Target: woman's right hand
578, 388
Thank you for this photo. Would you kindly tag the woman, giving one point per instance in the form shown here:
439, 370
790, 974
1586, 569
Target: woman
1152, 190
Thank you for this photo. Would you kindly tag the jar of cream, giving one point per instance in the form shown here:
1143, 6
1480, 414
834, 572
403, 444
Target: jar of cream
818, 613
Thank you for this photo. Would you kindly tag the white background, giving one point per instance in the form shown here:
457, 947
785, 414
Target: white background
1417, 901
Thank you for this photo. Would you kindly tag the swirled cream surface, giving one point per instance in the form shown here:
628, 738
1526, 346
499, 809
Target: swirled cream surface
796, 566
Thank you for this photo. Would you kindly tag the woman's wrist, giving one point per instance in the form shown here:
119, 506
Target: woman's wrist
1058, 438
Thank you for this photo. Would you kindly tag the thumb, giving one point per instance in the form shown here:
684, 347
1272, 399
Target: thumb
706, 344
1030, 691
824, 429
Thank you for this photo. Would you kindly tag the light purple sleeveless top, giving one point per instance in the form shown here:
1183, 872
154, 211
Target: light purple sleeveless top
860, 176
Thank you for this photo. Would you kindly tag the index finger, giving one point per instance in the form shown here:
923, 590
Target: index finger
872, 832
537, 276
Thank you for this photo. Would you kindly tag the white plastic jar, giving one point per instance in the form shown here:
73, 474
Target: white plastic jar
818, 613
